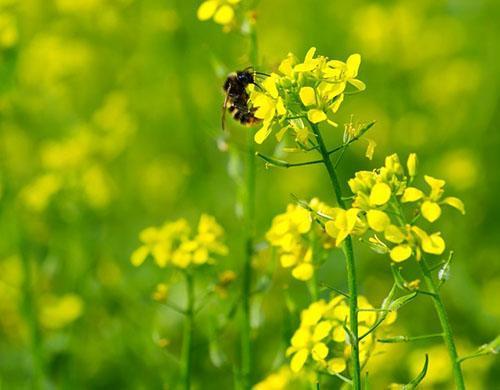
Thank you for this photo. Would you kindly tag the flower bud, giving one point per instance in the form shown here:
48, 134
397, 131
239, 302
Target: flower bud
412, 164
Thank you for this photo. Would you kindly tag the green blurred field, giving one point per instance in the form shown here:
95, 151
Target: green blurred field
109, 122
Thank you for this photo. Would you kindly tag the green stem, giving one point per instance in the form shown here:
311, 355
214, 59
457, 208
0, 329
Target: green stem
445, 325
350, 264
187, 340
249, 215
31, 315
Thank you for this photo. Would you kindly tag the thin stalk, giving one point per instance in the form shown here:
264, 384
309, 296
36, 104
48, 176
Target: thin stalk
445, 325
249, 215
30, 311
187, 337
350, 264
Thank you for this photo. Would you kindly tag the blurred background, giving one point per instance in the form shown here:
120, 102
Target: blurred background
110, 122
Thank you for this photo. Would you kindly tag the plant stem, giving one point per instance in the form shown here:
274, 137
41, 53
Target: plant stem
445, 325
30, 310
350, 264
187, 339
249, 216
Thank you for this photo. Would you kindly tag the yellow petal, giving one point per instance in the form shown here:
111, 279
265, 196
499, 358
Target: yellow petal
338, 333
303, 271
358, 84
321, 330
411, 194
310, 54
456, 203
331, 229
224, 15
280, 107
378, 220
370, 149
394, 234
380, 194
263, 133
353, 63
288, 260
308, 96
298, 360
269, 84
337, 365
315, 115
430, 210
301, 338
319, 351
207, 9
139, 255
411, 164
400, 253
433, 244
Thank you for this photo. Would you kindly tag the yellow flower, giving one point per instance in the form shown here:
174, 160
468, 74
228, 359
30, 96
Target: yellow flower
344, 223
430, 207
222, 11
310, 89
288, 233
321, 341
58, 312
173, 243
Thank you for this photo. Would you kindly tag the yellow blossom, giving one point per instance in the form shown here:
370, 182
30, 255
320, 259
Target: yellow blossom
173, 243
222, 11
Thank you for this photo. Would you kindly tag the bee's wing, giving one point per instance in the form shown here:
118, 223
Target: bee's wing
224, 108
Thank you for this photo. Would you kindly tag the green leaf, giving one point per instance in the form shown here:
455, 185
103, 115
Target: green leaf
419, 378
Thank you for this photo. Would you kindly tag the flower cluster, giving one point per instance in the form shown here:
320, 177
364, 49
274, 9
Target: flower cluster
388, 204
222, 11
291, 232
308, 90
173, 243
321, 339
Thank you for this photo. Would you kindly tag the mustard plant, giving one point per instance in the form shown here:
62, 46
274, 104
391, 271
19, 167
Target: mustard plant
389, 210
176, 247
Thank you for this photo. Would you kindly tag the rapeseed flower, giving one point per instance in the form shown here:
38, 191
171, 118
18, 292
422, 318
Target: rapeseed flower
291, 233
381, 199
173, 243
321, 340
303, 91
221, 11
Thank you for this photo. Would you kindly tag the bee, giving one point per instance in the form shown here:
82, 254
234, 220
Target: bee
236, 100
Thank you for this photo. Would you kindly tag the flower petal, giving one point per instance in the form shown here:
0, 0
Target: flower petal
207, 9
298, 360
456, 203
308, 96
139, 255
380, 194
378, 220
400, 253
315, 115
411, 194
430, 210
224, 15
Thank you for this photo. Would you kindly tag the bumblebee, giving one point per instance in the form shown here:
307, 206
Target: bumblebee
236, 101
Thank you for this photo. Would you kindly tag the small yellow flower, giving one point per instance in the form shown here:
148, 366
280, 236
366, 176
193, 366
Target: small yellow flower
173, 243
222, 11
320, 340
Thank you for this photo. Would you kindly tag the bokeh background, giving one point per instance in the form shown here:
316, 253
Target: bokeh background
110, 122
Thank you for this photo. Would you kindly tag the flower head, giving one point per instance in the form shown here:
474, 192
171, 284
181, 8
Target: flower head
291, 233
175, 244
381, 200
311, 90
221, 11
321, 339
